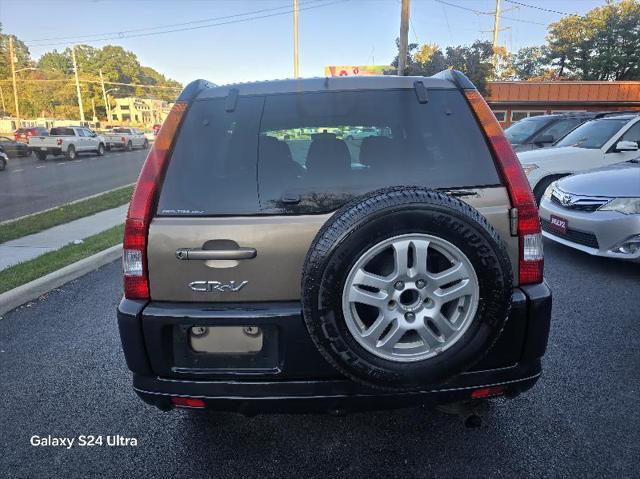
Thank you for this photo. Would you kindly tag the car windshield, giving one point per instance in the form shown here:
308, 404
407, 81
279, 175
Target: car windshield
593, 134
521, 131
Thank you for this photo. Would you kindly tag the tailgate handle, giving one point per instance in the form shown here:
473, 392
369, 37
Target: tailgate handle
207, 254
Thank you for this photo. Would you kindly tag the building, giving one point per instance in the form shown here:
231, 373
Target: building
141, 111
512, 101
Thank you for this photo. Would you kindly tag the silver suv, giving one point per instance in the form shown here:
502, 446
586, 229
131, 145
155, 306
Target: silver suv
271, 265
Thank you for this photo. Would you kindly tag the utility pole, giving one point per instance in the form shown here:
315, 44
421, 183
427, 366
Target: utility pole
404, 38
496, 29
75, 69
4, 108
107, 107
13, 76
93, 107
296, 68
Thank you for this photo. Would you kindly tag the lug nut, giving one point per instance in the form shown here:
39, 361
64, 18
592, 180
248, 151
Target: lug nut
420, 283
409, 316
399, 285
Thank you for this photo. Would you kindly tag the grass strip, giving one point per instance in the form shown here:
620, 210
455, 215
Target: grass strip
22, 273
64, 214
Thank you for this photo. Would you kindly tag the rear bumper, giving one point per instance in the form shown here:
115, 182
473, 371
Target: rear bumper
291, 376
327, 395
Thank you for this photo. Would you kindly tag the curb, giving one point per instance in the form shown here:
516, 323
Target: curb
13, 220
13, 298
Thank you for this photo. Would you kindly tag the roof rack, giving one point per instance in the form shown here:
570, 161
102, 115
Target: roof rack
620, 112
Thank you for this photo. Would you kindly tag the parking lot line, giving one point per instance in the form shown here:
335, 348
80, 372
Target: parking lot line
18, 170
41, 166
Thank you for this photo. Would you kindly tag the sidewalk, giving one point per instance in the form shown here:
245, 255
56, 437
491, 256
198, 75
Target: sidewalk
29, 247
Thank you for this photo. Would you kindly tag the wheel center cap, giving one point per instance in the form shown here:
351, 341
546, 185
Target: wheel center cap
410, 300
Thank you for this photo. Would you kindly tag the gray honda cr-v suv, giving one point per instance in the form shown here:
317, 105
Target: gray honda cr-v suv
275, 261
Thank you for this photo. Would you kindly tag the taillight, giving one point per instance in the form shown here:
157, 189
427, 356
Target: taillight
122, 139
531, 262
59, 141
136, 227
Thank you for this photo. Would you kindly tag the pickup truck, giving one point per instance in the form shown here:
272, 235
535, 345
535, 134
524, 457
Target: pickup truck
126, 138
68, 141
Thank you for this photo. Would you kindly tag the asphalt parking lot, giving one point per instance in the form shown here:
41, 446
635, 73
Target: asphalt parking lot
29, 185
63, 373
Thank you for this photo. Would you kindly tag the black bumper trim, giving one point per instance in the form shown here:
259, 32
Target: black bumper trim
323, 396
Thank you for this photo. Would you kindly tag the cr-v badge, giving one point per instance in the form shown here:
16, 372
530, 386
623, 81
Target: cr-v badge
217, 286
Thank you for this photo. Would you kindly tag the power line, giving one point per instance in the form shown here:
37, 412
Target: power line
171, 25
543, 9
71, 80
195, 27
480, 12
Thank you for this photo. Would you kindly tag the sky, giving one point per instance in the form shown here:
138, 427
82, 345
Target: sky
331, 32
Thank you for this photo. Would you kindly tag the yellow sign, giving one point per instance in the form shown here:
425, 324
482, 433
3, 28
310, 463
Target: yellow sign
354, 70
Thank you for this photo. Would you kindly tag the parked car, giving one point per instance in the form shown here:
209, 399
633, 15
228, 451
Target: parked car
542, 131
359, 133
14, 148
597, 212
68, 141
125, 138
23, 134
263, 277
598, 142
4, 159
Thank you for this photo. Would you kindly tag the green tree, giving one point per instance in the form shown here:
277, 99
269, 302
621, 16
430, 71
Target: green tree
604, 44
530, 62
475, 61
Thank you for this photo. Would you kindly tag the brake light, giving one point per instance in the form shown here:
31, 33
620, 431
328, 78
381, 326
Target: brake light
487, 392
136, 227
59, 141
531, 262
122, 139
188, 402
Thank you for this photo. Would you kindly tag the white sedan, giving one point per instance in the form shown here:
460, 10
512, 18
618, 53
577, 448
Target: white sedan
596, 143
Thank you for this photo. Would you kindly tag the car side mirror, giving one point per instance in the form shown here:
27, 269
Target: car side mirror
625, 145
544, 139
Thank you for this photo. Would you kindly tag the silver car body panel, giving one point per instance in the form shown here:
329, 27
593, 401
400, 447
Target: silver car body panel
610, 228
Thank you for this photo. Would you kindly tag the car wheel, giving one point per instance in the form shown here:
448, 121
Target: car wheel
129, 146
3, 164
350, 138
405, 288
71, 153
101, 149
41, 155
542, 186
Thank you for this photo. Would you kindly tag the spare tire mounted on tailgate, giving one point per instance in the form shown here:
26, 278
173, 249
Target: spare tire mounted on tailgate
405, 287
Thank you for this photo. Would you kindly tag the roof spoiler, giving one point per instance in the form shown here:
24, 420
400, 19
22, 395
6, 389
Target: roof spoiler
456, 77
192, 90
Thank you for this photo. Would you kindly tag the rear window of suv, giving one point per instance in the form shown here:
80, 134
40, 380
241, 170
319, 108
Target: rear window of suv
312, 152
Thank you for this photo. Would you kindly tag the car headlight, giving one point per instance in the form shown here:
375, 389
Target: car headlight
628, 206
549, 190
529, 168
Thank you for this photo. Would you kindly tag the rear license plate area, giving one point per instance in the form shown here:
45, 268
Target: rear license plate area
225, 349
558, 224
